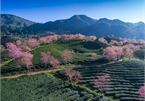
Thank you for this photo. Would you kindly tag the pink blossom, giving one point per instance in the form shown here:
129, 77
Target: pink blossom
13, 50
24, 59
54, 62
25, 48
67, 37
102, 40
120, 43
80, 36
141, 93
127, 52
48, 39
112, 53
140, 41
131, 46
73, 75
124, 40
18, 43
134, 40
102, 83
113, 42
93, 37
46, 57
32, 43
67, 56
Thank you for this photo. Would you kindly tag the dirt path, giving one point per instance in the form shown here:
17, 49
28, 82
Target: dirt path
36, 72
31, 73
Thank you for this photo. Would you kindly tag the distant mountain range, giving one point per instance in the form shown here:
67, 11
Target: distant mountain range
12, 20
12, 24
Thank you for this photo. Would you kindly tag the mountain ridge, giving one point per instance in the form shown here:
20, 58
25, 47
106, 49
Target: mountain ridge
16, 21
88, 26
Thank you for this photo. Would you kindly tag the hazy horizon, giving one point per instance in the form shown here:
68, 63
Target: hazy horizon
50, 10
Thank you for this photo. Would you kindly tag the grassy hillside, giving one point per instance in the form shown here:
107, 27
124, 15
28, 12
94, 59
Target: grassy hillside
80, 49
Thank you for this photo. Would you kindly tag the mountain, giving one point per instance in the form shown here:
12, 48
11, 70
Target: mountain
71, 25
85, 25
12, 20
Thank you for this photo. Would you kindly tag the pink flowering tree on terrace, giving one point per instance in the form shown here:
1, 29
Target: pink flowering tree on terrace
68, 37
112, 53
54, 62
13, 50
73, 75
48, 39
134, 40
120, 43
102, 40
103, 82
51, 38
24, 59
93, 37
18, 43
32, 43
124, 40
23, 47
46, 57
80, 36
21, 58
141, 92
67, 56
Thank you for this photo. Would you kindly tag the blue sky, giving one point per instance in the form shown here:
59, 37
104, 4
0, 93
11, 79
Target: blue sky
51, 10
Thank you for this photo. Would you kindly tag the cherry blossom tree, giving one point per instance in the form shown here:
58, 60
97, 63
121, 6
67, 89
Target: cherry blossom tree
140, 41
32, 43
22, 46
54, 62
102, 83
93, 37
51, 38
43, 40
112, 53
133, 47
120, 43
21, 58
127, 52
18, 43
25, 48
48, 39
24, 59
68, 37
134, 40
80, 36
112, 42
141, 93
13, 50
102, 40
46, 57
67, 56
73, 75
124, 40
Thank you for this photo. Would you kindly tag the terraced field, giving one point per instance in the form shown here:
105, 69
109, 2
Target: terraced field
126, 78
43, 87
